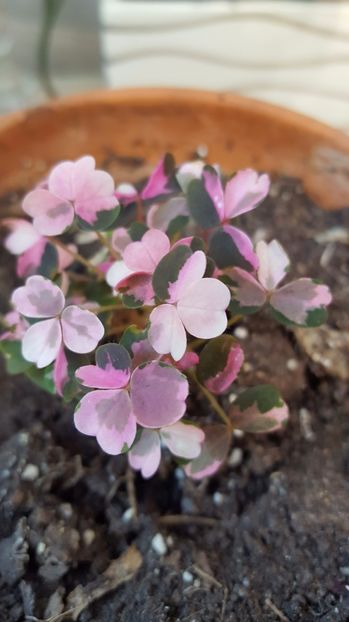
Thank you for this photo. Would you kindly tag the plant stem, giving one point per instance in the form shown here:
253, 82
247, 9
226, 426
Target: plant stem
78, 257
214, 403
50, 13
105, 242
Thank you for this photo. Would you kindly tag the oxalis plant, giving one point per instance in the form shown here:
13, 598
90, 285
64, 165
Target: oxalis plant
128, 301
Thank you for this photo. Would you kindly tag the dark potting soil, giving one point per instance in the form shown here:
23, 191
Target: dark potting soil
266, 539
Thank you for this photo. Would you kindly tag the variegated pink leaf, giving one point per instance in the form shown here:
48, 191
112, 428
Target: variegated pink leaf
302, 302
183, 440
82, 330
166, 332
107, 415
244, 192
158, 394
38, 298
42, 341
273, 264
51, 214
145, 454
213, 453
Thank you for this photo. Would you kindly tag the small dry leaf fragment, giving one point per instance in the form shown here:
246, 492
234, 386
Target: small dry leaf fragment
119, 571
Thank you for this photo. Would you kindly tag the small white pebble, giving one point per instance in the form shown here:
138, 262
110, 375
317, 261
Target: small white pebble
305, 418
232, 397
40, 548
88, 536
66, 510
156, 571
127, 515
238, 433
218, 498
158, 544
197, 583
30, 473
187, 577
235, 457
23, 438
292, 364
241, 332
247, 367
245, 582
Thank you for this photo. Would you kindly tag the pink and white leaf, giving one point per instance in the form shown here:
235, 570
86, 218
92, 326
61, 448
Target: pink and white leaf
138, 288
82, 330
243, 244
107, 415
183, 440
224, 378
295, 300
248, 292
189, 171
51, 214
191, 272
22, 235
213, 453
98, 378
166, 333
158, 394
213, 186
160, 216
38, 298
120, 239
145, 454
144, 255
29, 261
17, 326
202, 308
273, 264
117, 272
244, 192
41, 342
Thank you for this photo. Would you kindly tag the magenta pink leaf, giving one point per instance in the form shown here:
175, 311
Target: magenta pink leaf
60, 371
213, 453
160, 181
158, 394
220, 362
213, 186
112, 369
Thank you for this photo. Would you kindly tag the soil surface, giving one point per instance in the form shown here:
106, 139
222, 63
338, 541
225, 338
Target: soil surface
266, 539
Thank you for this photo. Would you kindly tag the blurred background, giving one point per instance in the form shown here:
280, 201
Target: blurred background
289, 52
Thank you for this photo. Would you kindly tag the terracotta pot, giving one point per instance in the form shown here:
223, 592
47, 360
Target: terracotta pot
131, 129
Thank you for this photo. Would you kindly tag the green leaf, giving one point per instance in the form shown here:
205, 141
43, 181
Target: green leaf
236, 309
43, 378
265, 396
14, 361
49, 262
225, 253
168, 269
177, 225
137, 230
105, 219
132, 335
114, 354
201, 205
315, 318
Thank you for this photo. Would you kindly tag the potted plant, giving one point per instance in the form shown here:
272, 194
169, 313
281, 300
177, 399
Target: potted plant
141, 292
